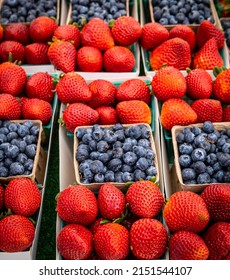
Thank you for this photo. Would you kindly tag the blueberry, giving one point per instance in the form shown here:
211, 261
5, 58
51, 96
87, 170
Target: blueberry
204, 178
88, 174
87, 138
221, 141
227, 177
4, 130
150, 154
22, 158
34, 130
102, 146
145, 132
92, 145
118, 126
188, 174
142, 164
99, 178
172, 20
185, 160
210, 170
117, 153
16, 168
3, 138
216, 167
13, 127
139, 151
30, 139
117, 144
12, 151
185, 149
208, 127
7, 162
97, 166
135, 132
199, 167
211, 159
157, 15
180, 17
130, 158
226, 148
196, 130
109, 136
22, 146
190, 182
173, 10
151, 171
103, 157
118, 177
189, 136
3, 171
139, 175
180, 138
193, 16
98, 134
199, 154
127, 176
2, 156
126, 168
4, 146
219, 176
164, 21
144, 143
212, 137
127, 147
120, 134
82, 153
223, 159
23, 130
31, 150
84, 165
29, 124
80, 132
115, 164
109, 176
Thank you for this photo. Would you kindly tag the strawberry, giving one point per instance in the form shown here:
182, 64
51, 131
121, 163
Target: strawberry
75, 242
199, 84
133, 111
16, 233
42, 28
184, 32
168, 82
96, 33
226, 114
37, 109
148, 239
186, 210
1, 197
144, 199
208, 30
78, 114
217, 239
118, 59
111, 242
176, 111
40, 85
10, 108
107, 115
111, 201
68, 32
18, 32
103, 93
77, 205
173, 52
153, 35
217, 199
89, 59
1, 33
22, 196
62, 55
37, 54
186, 245
208, 110
12, 78
11, 50
208, 56
126, 30
95, 225
221, 85
133, 89
72, 88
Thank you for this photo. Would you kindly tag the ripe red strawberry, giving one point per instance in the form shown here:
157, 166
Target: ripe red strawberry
133, 111
42, 28
13, 51
10, 108
103, 93
217, 239
12, 78
62, 55
148, 239
217, 199
40, 85
95, 225
1, 33
184, 32
37, 109
126, 30
107, 115
145, 199
73, 88
118, 59
168, 82
89, 59
208, 110
68, 32
153, 35
1, 197
208, 56
111, 201
16, 233
221, 86
173, 52
96, 33
208, 30
111, 242
226, 114
186, 245
186, 210
75, 242
37, 54
199, 84
78, 114
133, 89
22, 196
77, 205
18, 32
176, 111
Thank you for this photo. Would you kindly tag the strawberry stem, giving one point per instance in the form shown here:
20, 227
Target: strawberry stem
218, 70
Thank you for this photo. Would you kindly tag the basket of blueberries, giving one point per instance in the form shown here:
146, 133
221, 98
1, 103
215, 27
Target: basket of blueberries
114, 153
20, 144
202, 154
190, 12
